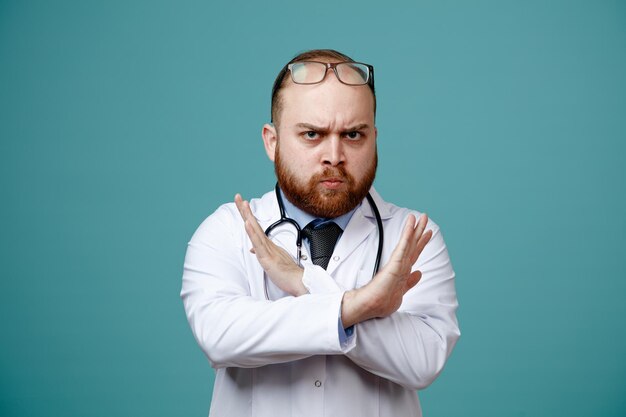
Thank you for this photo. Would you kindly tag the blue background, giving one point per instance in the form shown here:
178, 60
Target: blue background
123, 124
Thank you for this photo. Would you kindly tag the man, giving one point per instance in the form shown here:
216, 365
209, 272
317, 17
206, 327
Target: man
315, 334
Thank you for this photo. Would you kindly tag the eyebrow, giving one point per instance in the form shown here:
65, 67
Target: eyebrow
321, 129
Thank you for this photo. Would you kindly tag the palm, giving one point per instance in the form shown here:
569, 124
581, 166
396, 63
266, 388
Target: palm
395, 279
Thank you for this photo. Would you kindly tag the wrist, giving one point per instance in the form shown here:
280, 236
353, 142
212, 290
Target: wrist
297, 288
353, 309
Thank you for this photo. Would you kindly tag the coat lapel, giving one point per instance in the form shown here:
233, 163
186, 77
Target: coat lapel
361, 226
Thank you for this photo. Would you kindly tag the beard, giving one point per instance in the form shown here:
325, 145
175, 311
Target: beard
320, 202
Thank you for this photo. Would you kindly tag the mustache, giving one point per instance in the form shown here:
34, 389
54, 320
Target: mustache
335, 172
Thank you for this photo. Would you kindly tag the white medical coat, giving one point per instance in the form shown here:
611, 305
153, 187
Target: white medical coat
282, 357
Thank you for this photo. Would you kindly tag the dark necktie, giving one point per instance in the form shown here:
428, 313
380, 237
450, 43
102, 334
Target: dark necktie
322, 240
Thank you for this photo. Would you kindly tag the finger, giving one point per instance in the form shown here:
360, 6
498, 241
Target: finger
410, 224
253, 229
244, 208
413, 238
421, 225
413, 279
406, 237
257, 227
245, 211
245, 214
421, 244
258, 241
414, 250
239, 203
418, 245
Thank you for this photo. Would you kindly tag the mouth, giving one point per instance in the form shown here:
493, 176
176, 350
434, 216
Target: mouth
332, 182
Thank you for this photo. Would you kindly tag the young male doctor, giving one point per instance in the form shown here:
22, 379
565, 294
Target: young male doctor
321, 331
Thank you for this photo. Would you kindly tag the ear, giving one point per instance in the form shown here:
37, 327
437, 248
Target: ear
269, 140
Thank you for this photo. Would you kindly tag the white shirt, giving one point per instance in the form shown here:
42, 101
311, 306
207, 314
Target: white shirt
282, 357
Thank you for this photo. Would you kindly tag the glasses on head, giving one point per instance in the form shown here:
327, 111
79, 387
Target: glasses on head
313, 72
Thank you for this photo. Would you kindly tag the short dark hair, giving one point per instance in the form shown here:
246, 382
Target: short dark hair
306, 56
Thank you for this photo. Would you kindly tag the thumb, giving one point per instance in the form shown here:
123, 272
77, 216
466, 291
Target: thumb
414, 278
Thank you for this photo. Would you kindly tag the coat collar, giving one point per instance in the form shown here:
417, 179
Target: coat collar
267, 212
360, 227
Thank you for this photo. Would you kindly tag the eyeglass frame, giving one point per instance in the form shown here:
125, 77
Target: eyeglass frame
333, 65
281, 77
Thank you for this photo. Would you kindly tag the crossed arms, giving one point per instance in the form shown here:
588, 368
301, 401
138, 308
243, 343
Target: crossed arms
405, 338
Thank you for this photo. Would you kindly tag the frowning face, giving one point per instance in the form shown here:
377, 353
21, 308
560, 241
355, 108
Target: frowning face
324, 148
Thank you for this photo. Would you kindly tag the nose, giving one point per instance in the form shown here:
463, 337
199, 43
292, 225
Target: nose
333, 152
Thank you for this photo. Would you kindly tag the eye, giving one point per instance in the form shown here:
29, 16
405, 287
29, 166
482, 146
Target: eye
354, 135
311, 135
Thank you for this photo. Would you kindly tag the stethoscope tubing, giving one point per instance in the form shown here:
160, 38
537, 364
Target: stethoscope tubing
285, 219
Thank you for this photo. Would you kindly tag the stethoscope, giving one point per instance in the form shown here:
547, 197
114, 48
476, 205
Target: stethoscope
285, 219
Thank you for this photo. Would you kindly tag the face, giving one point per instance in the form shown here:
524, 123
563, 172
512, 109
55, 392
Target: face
324, 149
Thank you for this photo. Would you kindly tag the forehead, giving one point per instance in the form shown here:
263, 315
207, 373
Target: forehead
327, 102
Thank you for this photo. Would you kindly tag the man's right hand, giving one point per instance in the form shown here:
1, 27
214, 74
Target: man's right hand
276, 262
382, 296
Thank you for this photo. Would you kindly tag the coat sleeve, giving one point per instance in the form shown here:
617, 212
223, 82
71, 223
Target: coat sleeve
411, 346
232, 327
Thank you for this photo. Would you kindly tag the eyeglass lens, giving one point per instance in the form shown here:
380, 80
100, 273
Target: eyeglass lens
313, 72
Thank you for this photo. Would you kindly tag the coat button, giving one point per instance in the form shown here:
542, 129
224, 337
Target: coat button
304, 257
318, 383
336, 258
